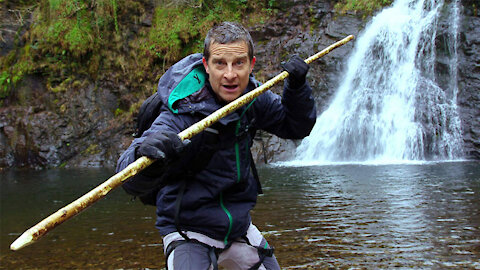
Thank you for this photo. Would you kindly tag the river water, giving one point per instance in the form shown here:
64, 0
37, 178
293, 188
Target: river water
349, 216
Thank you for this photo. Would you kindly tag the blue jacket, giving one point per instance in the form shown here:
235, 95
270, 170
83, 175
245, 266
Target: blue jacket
219, 195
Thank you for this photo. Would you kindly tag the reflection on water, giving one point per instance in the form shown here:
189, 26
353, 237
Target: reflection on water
319, 217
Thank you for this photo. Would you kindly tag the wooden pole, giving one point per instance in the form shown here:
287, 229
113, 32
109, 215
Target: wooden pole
65, 213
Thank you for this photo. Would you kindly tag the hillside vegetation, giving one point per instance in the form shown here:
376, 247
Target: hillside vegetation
66, 42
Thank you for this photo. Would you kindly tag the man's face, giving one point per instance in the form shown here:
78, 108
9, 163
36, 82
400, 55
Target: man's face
228, 68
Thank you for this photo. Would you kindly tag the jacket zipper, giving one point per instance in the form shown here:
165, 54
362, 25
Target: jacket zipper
239, 176
230, 219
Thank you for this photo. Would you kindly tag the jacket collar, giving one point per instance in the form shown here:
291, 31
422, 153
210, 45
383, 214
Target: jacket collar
205, 102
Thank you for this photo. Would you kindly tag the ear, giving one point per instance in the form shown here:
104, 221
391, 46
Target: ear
205, 65
252, 64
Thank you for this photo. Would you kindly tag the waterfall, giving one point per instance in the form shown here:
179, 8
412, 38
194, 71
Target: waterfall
390, 107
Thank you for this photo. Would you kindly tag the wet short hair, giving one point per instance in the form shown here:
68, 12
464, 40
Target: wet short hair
227, 32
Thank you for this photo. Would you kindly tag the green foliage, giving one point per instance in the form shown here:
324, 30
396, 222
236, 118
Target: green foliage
118, 112
5, 82
87, 39
12, 72
71, 27
92, 149
173, 27
367, 7
114, 6
179, 30
64, 36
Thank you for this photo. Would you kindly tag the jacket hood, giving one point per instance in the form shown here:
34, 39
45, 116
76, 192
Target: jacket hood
181, 80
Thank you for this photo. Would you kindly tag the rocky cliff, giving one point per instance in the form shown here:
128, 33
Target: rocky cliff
469, 78
82, 126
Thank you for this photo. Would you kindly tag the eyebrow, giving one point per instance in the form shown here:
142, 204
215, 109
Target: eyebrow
245, 56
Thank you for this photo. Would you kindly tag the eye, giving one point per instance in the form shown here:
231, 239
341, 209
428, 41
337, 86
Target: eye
219, 62
240, 62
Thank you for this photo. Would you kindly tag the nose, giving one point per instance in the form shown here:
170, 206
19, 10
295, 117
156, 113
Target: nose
230, 73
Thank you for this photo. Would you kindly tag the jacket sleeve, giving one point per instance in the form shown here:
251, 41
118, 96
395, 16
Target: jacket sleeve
140, 184
291, 116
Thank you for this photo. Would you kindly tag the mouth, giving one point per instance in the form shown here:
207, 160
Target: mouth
231, 87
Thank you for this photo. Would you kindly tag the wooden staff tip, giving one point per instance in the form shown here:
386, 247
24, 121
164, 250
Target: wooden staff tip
24, 240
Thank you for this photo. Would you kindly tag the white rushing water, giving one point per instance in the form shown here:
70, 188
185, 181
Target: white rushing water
390, 106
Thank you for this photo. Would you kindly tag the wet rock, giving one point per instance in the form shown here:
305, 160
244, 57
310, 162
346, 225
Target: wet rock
47, 129
469, 84
269, 148
343, 26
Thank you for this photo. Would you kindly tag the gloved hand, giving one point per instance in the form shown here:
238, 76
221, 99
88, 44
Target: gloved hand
163, 146
297, 70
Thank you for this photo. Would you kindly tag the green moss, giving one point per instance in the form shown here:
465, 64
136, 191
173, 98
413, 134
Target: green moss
75, 28
173, 27
366, 7
63, 109
15, 65
179, 30
135, 107
115, 19
92, 150
119, 112
71, 31
5, 84
71, 40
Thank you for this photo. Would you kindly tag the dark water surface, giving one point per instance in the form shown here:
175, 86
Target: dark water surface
320, 217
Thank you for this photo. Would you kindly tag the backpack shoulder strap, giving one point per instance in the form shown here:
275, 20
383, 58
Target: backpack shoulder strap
147, 113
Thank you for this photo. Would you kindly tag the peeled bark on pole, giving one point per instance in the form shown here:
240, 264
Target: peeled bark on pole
65, 213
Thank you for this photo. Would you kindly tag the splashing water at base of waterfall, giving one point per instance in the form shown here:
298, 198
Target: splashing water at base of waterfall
390, 107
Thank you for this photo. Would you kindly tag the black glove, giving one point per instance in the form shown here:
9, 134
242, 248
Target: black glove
163, 146
297, 70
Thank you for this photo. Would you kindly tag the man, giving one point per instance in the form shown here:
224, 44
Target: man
203, 212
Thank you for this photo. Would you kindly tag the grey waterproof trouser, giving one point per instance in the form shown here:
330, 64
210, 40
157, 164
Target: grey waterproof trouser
244, 253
